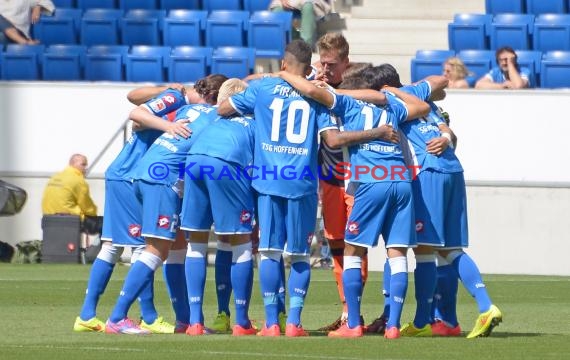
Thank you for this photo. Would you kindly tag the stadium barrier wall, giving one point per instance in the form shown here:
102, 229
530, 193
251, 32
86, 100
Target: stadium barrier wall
512, 144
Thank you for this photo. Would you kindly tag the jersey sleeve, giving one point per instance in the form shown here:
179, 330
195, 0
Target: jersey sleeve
398, 107
166, 102
421, 90
244, 102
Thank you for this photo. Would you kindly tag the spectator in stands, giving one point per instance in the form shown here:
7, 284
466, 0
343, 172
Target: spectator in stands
310, 11
455, 71
67, 192
507, 75
17, 16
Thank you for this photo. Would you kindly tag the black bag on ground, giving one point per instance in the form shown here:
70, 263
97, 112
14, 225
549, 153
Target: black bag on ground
12, 199
6, 252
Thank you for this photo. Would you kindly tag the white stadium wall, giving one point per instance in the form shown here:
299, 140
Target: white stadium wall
512, 144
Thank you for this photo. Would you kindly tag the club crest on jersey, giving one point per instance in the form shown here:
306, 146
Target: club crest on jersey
163, 221
135, 230
352, 227
157, 105
419, 226
245, 216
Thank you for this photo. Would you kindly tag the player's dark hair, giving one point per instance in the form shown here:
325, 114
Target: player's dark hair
383, 75
355, 82
300, 50
210, 85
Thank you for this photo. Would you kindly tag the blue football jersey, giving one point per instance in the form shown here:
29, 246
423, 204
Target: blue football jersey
229, 139
164, 105
376, 160
498, 76
419, 131
164, 160
286, 136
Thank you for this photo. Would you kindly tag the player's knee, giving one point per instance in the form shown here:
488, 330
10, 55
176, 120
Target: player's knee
453, 254
300, 259
110, 253
270, 255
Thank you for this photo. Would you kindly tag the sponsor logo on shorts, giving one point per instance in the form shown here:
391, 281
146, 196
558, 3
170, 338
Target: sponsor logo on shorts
135, 230
169, 99
163, 221
419, 226
310, 238
352, 227
157, 105
245, 217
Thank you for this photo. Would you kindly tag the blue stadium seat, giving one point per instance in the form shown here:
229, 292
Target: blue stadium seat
184, 27
147, 63
189, 63
469, 31
64, 62
555, 70
142, 27
256, 5
478, 62
429, 62
226, 28
61, 28
233, 61
269, 32
505, 6
538, 7
179, 4
211, 5
138, 4
64, 3
96, 4
21, 62
512, 30
100, 27
531, 60
105, 63
551, 32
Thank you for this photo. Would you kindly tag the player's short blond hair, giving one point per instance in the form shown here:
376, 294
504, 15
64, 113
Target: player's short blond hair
230, 87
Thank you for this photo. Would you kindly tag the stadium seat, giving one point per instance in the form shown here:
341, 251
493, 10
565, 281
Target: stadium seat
512, 30
469, 31
147, 63
63, 62
233, 61
478, 62
531, 60
21, 62
555, 70
142, 27
64, 3
551, 32
212, 5
269, 32
100, 27
226, 28
179, 4
189, 63
184, 27
138, 4
429, 62
105, 63
61, 28
538, 7
96, 4
256, 5
505, 6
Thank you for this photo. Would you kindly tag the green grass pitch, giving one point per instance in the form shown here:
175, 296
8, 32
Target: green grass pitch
38, 304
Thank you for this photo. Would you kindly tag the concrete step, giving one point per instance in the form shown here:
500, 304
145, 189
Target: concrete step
416, 9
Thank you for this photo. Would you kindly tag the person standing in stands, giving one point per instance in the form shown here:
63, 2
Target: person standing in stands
17, 16
507, 75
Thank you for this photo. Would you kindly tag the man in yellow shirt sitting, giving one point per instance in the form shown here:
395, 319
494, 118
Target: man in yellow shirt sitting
67, 192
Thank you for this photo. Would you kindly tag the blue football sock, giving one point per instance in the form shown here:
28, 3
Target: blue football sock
140, 274
398, 289
352, 285
223, 267
269, 279
471, 279
101, 272
146, 302
175, 279
242, 282
196, 280
386, 288
445, 307
425, 282
299, 279
282, 293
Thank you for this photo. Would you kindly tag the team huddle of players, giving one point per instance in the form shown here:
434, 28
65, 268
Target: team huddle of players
222, 153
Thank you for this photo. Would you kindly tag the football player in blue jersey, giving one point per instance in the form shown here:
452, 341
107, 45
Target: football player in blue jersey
383, 201
441, 219
156, 181
285, 164
121, 224
217, 190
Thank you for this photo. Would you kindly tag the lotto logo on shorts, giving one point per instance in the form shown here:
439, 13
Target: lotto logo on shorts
245, 217
310, 238
163, 221
157, 105
135, 230
169, 99
352, 227
419, 226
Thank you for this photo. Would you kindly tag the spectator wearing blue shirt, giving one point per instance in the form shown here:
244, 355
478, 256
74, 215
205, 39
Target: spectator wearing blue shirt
507, 75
